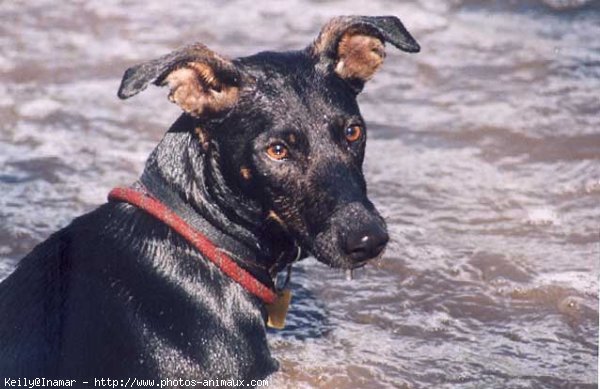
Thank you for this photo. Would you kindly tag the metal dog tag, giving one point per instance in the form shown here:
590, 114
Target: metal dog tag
278, 310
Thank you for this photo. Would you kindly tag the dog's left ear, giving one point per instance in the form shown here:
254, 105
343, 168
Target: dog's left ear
353, 46
200, 81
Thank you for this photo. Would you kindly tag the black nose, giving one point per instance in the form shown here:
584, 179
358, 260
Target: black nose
366, 242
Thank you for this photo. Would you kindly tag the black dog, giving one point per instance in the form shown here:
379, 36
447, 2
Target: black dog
264, 163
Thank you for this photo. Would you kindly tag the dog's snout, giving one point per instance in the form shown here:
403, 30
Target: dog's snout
366, 242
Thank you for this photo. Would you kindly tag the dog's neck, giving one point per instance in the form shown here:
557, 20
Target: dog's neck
185, 176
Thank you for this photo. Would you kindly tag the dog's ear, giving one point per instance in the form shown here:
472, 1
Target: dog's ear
353, 46
200, 81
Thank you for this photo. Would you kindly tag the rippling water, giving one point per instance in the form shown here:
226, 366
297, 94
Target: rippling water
483, 154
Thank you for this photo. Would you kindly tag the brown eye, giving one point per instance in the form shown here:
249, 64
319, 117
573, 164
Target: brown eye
277, 151
353, 133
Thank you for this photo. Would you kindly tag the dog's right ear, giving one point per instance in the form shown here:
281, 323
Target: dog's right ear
200, 81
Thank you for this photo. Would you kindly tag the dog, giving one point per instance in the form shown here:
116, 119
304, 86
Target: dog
173, 276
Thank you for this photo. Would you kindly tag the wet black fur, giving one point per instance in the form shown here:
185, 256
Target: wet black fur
118, 294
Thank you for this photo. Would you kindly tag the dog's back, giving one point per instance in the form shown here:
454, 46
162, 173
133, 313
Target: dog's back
29, 301
101, 298
57, 314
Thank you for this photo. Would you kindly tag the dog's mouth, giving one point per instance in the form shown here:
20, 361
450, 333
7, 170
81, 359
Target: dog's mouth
342, 261
364, 263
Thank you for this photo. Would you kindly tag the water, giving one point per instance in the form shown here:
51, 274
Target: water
483, 155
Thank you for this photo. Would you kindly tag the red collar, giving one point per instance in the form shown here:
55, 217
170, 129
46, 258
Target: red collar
207, 248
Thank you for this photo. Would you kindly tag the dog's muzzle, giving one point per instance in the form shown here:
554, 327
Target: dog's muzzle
354, 234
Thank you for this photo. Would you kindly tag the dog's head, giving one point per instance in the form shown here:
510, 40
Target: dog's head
289, 132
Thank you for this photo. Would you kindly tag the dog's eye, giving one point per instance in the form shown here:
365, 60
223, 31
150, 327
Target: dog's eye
353, 133
277, 151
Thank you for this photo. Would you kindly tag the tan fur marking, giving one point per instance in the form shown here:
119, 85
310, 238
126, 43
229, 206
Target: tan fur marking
196, 90
246, 173
275, 217
359, 56
202, 137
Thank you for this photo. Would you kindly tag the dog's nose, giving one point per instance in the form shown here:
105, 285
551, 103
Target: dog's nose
366, 242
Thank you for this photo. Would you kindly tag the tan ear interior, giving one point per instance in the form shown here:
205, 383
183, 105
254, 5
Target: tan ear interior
196, 89
359, 56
